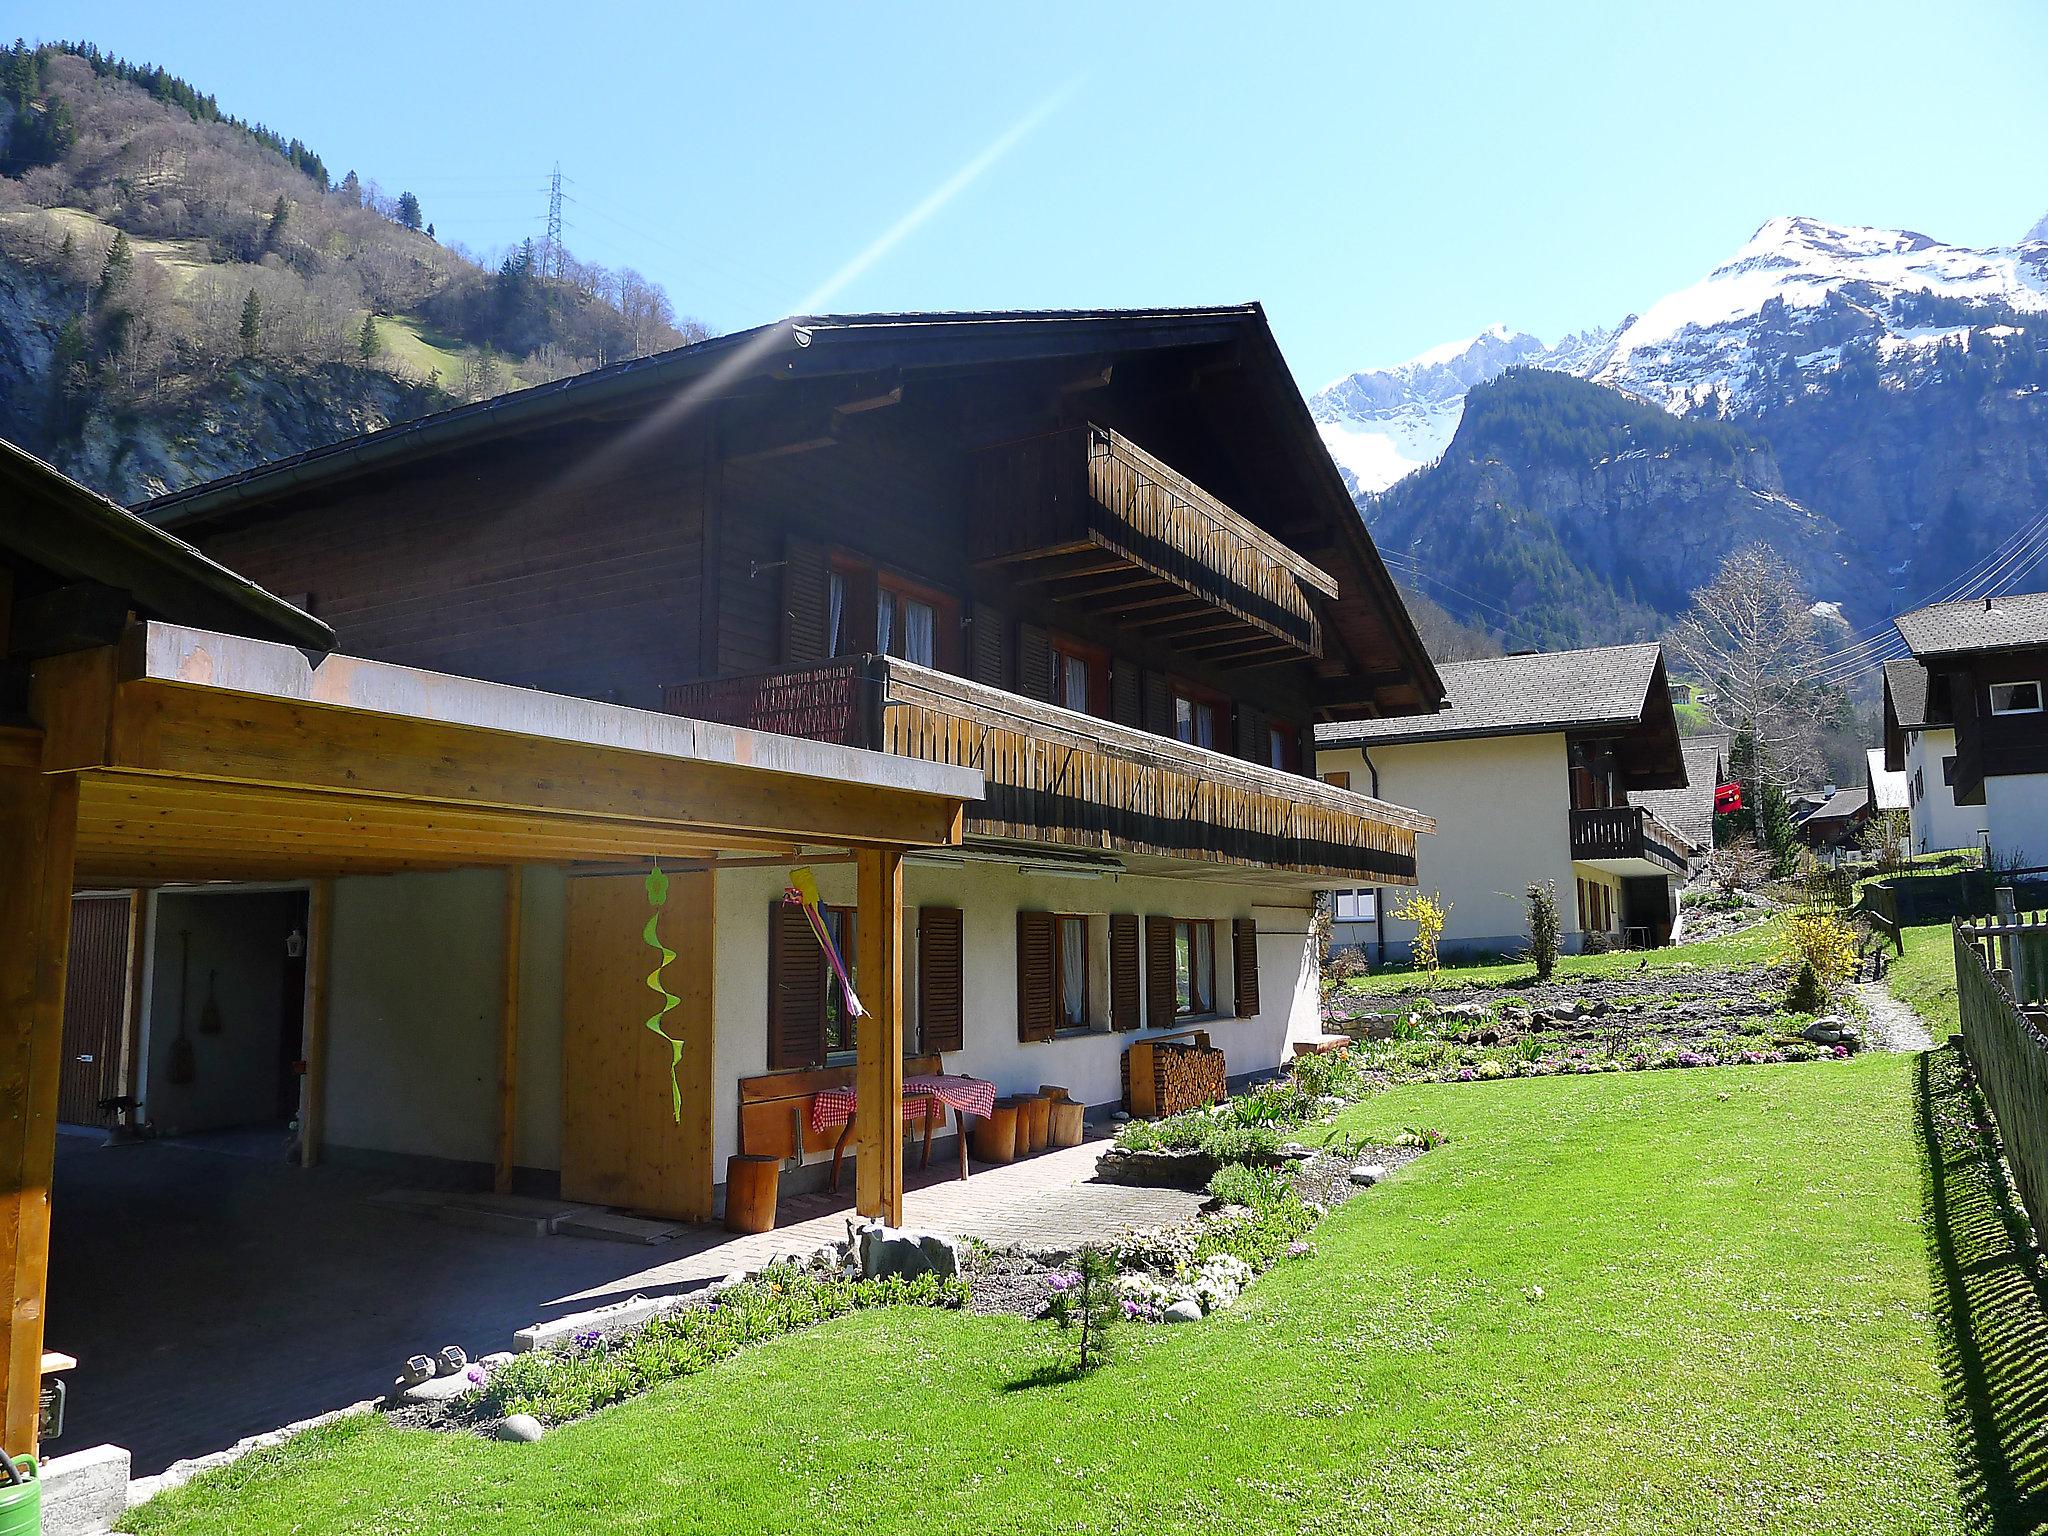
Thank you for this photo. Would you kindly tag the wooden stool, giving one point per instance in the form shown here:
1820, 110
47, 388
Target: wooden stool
1067, 1122
1034, 1122
751, 1182
995, 1133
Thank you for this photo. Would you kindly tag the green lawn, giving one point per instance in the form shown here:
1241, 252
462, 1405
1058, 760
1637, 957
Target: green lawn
1924, 977
1755, 945
1688, 1301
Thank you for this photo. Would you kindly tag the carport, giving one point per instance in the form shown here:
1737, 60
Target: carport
136, 749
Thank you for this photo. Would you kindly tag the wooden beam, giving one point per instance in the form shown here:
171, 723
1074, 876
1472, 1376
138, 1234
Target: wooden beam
319, 957
73, 695
508, 1036
83, 616
129, 1078
878, 1065
38, 825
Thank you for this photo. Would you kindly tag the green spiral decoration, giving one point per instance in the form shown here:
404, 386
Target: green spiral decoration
657, 898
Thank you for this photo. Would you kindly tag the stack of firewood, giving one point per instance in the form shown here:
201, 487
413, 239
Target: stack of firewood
1164, 1077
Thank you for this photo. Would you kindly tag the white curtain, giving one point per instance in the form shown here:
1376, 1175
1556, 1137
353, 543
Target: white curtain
1074, 684
1074, 971
920, 633
1205, 967
1205, 725
885, 622
835, 611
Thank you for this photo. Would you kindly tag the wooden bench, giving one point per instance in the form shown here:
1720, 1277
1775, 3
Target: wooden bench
775, 1114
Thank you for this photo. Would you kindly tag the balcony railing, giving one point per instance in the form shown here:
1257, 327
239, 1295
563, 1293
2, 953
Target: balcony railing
1099, 520
1070, 780
1628, 832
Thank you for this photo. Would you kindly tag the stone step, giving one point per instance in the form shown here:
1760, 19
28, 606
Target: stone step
611, 1227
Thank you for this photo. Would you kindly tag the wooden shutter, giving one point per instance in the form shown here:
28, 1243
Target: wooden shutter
991, 646
1254, 745
1124, 707
1034, 662
1160, 997
1157, 705
1123, 971
796, 990
941, 1010
806, 601
1244, 942
1037, 1004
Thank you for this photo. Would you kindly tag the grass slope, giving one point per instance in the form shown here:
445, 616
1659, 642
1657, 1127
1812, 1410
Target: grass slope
1924, 978
1733, 1333
1755, 945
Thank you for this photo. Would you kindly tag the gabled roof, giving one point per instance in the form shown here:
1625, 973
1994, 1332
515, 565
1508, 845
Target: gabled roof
73, 534
1906, 694
2004, 623
1523, 695
1887, 788
1843, 804
1690, 811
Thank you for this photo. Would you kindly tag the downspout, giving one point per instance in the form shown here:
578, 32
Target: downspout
1379, 905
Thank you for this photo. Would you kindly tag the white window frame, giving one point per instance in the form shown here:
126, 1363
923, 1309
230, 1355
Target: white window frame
2016, 709
1363, 904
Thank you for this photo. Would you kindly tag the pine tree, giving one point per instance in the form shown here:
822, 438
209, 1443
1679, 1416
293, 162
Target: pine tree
352, 190
120, 258
280, 211
252, 323
408, 210
367, 345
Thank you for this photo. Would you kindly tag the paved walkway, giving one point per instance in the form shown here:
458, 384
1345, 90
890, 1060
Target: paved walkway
1889, 1024
210, 1295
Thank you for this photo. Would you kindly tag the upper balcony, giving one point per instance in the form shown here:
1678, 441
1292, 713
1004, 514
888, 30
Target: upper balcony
1628, 840
1059, 778
1102, 522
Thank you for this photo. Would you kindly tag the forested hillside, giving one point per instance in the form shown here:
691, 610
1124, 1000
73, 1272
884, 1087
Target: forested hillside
183, 293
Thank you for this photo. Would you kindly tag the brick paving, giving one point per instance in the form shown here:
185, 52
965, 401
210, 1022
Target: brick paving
209, 1296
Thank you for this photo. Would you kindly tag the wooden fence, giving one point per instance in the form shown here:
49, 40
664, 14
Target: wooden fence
2001, 981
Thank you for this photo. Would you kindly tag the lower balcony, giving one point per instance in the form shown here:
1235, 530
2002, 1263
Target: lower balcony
1070, 781
1628, 840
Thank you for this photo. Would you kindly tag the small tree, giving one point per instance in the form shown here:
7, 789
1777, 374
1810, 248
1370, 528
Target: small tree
1428, 914
252, 323
1780, 837
367, 345
408, 210
1543, 927
1084, 1300
280, 212
120, 259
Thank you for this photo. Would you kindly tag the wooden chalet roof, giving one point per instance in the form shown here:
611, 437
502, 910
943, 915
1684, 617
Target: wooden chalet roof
1690, 811
2013, 622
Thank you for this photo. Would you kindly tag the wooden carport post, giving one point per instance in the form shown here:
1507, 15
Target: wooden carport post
38, 833
878, 1064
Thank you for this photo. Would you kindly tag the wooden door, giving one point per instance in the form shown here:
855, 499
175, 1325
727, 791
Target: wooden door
621, 1143
95, 999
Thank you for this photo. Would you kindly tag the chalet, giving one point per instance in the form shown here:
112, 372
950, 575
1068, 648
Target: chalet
1532, 769
1891, 795
1099, 560
1982, 668
1837, 820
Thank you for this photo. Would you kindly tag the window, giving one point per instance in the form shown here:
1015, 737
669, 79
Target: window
1585, 908
1070, 970
836, 637
1917, 787
839, 922
1194, 968
1280, 747
1080, 676
1194, 718
2016, 698
867, 610
1338, 780
906, 627
1358, 906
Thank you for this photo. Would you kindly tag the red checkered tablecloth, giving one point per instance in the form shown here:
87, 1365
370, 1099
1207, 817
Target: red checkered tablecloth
835, 1106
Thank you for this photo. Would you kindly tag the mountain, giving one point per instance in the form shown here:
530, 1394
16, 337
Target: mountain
1890, 399
184, 294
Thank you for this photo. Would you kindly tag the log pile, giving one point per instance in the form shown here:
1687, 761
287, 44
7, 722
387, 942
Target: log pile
1165, 1077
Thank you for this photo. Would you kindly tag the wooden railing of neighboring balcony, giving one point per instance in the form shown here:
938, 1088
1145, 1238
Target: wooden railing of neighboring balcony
1626, 832
1057, 777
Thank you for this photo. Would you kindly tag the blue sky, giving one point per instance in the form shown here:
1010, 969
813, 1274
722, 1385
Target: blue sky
1383, 177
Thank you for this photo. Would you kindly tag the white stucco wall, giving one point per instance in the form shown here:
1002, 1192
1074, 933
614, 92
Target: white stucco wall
412, 1062
2016, 810
1937, 822
1503, 820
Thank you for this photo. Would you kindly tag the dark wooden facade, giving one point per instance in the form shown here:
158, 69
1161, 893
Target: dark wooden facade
1990, 745
1139, 499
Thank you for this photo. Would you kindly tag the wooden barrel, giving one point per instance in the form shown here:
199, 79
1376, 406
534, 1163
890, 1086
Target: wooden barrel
1067, 1122
994, 1138
1034, 1122
751, 1182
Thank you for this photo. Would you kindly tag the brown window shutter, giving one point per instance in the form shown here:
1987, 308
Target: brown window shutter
989, 637
805, 602
1253, 744
796, 991
1159, 990
1034, 662
1123, 695
1244, 935
1037, 1008
1123, 971
941, 1011
1158, 705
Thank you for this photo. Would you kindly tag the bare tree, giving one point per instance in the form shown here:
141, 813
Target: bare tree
1749, 636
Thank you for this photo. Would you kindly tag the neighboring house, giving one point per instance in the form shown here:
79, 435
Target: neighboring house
1920, 744
1890, 795
1530, 770
1101, 558
1837, 820
1689, 811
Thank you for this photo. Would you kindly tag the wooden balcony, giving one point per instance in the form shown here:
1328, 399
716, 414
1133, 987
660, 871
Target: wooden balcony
1628, 834
1071, 781
1100, 521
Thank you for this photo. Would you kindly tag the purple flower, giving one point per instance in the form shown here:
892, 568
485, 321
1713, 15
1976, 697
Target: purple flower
1841, 1053
1300, 1249
1693, 1059
589, 1339
476, 1374
1062, 1280
1466, 1074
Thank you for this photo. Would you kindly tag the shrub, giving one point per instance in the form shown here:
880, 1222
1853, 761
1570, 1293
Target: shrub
1821, 948
1543, 927
1327, 1074
1260, 1238
1345, 965
1085, 1302
1428, 914
1241, 1184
